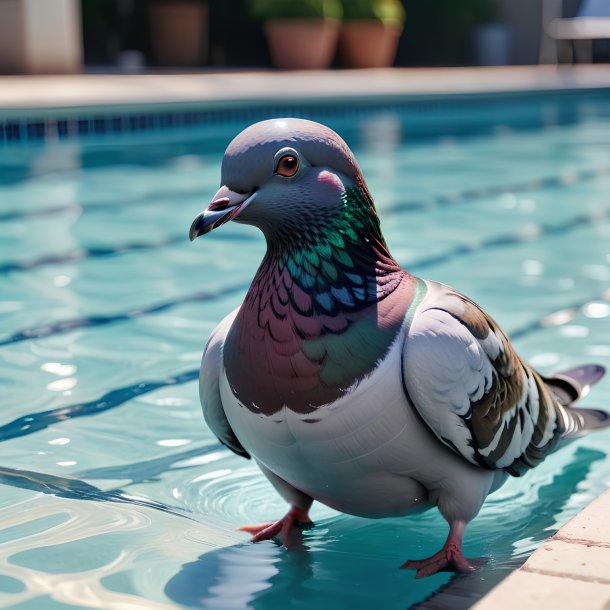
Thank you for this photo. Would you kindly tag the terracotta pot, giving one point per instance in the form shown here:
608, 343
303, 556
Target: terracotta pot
368, 43
302, 44
179, 32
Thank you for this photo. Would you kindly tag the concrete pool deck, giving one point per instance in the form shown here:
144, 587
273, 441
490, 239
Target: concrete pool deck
19, 93
571, 569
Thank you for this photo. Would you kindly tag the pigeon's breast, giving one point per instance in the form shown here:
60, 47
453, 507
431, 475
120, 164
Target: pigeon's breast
360, 454
282, 352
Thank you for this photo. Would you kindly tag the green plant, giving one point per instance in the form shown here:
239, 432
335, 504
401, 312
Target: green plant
388, 11
296, 9
439, 33
482, 11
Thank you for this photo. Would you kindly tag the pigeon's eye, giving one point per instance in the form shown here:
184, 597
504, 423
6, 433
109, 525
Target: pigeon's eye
287, 166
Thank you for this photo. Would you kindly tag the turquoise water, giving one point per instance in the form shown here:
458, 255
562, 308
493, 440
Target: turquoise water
115, 495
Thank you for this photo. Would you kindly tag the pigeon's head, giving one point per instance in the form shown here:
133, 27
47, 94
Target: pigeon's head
283, 175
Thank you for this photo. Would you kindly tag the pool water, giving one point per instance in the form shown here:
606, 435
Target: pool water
115, 494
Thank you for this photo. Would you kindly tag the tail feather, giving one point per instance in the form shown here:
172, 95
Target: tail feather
581, 421
571, 385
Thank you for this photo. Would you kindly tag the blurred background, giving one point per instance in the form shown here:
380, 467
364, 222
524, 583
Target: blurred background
71, 36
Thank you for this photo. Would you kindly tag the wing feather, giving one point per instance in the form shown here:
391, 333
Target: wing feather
470, 386
209, 388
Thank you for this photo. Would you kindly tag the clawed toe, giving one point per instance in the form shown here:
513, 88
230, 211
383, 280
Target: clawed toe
413, 564
448, 559
295, 517
264, 531
443, 562
470, 564
254, 529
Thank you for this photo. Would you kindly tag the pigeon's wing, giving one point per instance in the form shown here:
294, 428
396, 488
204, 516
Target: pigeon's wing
463, 376
209, 389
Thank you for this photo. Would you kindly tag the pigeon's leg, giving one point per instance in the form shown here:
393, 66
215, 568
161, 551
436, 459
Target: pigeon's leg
298, 515
448, 559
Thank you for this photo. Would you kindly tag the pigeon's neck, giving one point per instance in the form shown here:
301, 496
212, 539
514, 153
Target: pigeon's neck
339, 259
322, 312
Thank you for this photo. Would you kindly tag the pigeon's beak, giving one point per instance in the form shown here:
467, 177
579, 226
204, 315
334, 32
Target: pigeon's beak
225, 206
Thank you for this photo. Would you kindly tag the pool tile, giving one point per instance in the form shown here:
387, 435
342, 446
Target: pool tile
573, 560
570, 570
590, 525
532, 591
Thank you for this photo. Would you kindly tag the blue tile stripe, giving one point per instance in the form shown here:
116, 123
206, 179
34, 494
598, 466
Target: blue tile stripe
55, 124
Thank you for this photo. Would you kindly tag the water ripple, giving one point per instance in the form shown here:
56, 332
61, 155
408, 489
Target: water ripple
57, 562
58, 210
89, 206
145, 470
524, 235
558, 317
399, 208
239, 495
548, 182
85, 253
76, 489
67, 326
34, 422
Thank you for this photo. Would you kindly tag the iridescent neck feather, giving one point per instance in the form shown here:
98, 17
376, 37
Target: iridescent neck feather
323, 309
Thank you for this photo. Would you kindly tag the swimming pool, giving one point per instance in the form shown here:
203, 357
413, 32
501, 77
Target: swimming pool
113, 490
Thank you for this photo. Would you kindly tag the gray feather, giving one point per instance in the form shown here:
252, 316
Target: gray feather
209, 389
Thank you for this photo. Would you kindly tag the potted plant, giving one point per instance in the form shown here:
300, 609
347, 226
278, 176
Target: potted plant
179, 32
302, 35
370, 32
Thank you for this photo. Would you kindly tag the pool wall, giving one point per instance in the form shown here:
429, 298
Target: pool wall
50, 109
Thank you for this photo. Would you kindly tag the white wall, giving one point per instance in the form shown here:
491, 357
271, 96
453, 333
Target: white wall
40, 37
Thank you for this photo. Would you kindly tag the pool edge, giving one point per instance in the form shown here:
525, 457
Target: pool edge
568, 570
119, 92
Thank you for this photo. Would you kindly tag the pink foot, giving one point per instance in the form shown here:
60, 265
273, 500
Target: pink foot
448, 559
265, 531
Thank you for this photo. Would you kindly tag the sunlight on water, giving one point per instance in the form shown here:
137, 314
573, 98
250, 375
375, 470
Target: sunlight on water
115, 494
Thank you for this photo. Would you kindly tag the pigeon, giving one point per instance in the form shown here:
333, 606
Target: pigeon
350, 381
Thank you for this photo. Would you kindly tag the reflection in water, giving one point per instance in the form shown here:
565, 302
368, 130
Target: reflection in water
138, 472
76, 489
229, 578
352, 563
58, 550
266, 575
64, 564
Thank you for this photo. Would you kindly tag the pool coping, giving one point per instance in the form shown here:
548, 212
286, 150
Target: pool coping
569, 570
31, 93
